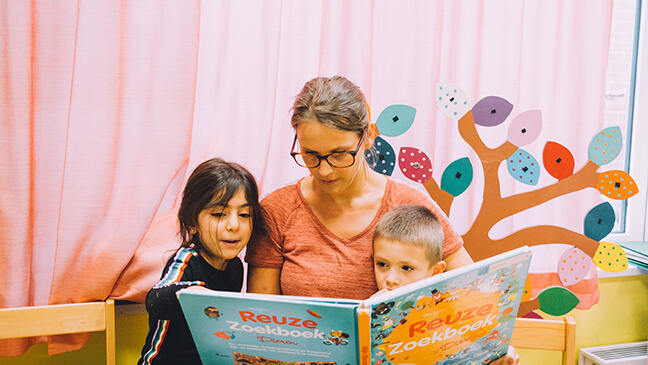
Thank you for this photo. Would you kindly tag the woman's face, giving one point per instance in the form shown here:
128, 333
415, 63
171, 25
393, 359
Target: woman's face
319, 139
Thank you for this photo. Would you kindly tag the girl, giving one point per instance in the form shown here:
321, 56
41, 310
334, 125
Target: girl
219, 213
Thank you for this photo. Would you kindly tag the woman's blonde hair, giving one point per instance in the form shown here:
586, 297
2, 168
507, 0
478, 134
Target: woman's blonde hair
333, 101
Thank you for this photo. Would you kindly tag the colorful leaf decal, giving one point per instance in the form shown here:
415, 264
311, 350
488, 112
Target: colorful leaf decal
573, 266
523, 167
415, 164
557, 301
491, 111
599, 221
616, 184
532, 315
451, 100
605, 146
457, 177
610, 257
558, 160
528, 288
525, 128
381, 157
395, 120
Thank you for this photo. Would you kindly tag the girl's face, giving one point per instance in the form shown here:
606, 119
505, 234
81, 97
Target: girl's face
225, 230
319, 139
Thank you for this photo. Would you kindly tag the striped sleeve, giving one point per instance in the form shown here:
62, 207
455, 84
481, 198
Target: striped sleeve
161, 300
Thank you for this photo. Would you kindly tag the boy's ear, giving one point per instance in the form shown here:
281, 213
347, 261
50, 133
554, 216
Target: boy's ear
438, 268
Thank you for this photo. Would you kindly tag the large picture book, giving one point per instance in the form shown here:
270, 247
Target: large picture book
461, 316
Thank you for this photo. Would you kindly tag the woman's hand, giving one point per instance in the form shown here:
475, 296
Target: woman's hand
381, 291
511, 358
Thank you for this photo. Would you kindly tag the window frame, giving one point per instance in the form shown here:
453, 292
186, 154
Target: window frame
636, 219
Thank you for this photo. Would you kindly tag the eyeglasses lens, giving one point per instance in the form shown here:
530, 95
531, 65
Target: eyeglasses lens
338, 160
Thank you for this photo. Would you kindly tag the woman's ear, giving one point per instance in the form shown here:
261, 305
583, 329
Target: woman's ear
372, 133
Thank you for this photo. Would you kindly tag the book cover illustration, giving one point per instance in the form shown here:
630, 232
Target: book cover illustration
462, 319
254, 329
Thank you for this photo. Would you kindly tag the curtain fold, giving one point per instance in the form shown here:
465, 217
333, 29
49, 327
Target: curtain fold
108, 105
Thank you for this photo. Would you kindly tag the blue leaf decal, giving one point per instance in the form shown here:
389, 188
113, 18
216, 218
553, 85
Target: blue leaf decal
457, 177
381, 157
523, 167
599, 221
395, 120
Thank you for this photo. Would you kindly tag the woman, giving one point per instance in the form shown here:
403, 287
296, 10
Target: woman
321, 227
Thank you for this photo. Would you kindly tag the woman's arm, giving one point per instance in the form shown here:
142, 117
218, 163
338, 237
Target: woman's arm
458, 259
263, 280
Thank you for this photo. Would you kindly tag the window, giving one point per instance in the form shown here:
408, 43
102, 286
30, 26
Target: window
625, 106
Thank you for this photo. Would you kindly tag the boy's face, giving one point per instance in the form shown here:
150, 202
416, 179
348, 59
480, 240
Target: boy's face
397, 264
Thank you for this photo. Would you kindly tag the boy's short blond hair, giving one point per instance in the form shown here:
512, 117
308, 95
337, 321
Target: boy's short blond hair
414, 225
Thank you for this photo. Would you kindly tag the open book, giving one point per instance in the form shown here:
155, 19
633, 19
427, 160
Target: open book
457, 317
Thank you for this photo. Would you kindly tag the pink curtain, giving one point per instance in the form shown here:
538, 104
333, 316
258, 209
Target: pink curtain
107, 105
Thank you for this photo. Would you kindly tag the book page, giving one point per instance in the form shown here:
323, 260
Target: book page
460, 316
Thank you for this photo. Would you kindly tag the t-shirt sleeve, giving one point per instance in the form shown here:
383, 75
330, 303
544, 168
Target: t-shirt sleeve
267, 252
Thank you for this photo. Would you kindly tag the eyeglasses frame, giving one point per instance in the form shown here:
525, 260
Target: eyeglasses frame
325, 157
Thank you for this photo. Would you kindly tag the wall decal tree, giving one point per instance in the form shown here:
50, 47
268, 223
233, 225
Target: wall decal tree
588, 247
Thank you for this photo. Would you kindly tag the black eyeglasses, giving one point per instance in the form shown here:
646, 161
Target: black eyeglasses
337, 159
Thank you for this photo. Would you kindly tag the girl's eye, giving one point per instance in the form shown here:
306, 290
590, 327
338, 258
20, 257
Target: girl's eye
245, 215
381, 264
218, 214
407, 268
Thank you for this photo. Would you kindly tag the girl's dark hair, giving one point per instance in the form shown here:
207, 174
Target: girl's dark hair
213, 183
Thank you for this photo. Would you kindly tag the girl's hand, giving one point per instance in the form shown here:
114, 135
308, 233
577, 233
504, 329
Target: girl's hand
198, 287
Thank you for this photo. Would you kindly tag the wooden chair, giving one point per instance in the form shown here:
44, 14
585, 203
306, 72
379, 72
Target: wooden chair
61, 319
540, 334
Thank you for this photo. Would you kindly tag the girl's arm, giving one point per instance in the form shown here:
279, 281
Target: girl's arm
458, 259
178, 273
263, 280
162, 302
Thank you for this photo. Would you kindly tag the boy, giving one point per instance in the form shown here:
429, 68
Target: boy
407, 246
